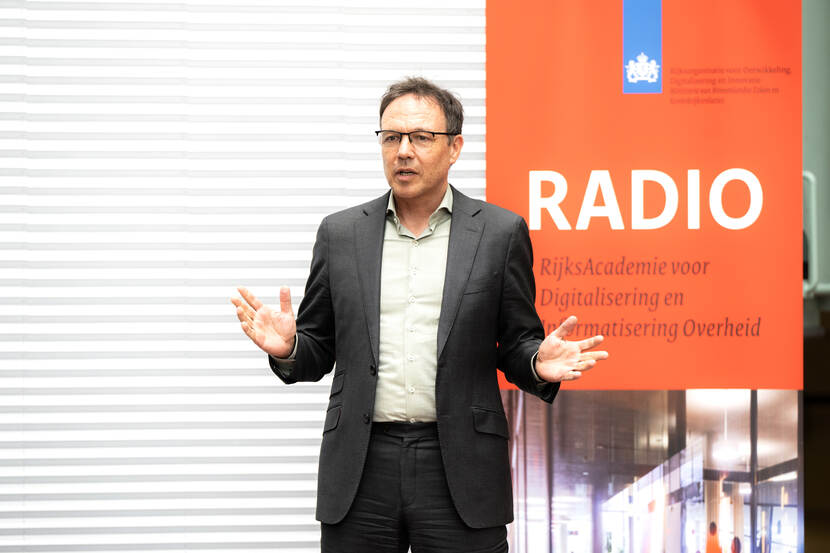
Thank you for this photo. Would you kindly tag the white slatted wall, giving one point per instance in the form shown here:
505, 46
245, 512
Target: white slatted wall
153, 156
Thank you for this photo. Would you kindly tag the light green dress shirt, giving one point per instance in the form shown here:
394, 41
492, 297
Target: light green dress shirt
411, 289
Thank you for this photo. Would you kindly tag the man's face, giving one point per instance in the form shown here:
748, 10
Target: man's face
415, 172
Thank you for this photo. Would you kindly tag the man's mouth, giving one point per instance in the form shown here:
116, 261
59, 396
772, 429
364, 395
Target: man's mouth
405, 172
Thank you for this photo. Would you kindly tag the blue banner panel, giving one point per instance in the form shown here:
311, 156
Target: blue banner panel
642, 46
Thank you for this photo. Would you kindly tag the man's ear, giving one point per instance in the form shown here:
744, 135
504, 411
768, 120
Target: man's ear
455, 147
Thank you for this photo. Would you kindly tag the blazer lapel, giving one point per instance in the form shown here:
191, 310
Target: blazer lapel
369, 231
465, 233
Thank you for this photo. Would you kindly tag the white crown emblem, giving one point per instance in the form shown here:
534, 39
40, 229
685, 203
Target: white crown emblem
642, 70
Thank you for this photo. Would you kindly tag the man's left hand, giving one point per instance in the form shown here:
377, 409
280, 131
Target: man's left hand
559, 360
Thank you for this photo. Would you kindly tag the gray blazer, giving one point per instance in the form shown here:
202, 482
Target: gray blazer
487, 321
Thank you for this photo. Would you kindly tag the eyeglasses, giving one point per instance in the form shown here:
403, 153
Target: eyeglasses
422, 140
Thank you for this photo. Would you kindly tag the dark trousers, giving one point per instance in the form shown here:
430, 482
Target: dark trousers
403, 500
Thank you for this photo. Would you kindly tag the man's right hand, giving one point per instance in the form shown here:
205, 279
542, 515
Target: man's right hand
273, 331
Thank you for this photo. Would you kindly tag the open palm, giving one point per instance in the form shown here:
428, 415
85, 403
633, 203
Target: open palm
559, 359
272, 331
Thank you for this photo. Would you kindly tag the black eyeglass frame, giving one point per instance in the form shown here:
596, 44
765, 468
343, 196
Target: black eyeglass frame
433, 133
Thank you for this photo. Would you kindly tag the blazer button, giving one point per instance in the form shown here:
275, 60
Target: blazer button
373, 370
366, 418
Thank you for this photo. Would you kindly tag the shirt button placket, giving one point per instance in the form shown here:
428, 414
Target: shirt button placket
408, 322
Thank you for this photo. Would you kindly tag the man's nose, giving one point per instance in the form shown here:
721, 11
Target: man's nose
405, 147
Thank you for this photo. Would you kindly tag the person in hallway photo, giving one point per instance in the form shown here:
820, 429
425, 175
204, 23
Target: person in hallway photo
419, 296
712, 541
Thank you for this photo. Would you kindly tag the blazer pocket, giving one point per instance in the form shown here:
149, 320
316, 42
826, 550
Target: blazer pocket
337, 384
332, 418
481, 284
490, 422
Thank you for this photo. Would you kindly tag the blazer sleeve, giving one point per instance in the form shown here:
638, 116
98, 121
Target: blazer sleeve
314, 353
520, 330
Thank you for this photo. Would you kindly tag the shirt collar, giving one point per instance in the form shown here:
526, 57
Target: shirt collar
441, 213
446, 203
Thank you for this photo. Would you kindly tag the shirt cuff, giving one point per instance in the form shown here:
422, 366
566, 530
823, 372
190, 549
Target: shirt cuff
286, 364
539, 381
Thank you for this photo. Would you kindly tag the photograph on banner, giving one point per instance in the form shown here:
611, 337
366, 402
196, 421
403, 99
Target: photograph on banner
651, 471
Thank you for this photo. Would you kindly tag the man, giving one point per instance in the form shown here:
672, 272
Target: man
418, 296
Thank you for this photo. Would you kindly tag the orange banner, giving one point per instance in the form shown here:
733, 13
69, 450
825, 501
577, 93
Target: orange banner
668, 217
